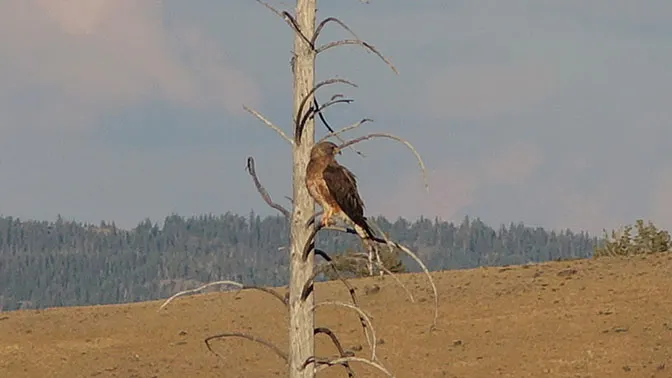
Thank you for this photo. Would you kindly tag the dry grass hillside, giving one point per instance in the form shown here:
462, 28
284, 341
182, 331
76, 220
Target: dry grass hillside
609, 317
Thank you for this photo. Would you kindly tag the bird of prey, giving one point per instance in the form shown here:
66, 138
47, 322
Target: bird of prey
334, 188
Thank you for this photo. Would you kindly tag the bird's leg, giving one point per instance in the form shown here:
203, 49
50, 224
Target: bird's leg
326, 218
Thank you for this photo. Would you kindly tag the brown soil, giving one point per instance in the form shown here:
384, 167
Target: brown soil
583, 318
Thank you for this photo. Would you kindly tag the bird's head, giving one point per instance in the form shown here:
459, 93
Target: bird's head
323, 149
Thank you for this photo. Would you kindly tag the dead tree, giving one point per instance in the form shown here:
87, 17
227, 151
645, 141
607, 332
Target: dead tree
300, 358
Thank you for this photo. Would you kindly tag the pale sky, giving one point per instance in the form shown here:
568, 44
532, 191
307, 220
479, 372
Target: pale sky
554, 113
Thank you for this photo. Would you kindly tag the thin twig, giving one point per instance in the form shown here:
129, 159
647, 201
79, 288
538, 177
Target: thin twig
269, 124
359, 42
361, 313
326, 363
262, 191
398, 139
256, 339
298, 127
231, 283
339, 347
345, 129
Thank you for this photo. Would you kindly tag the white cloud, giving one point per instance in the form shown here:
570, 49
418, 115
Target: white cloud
89, 57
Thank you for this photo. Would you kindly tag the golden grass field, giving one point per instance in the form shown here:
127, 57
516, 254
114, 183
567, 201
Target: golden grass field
610, 317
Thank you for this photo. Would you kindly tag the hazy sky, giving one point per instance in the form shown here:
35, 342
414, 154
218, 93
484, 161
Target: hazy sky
554, 113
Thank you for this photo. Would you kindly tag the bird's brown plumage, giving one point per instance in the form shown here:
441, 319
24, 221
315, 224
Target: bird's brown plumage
334, 187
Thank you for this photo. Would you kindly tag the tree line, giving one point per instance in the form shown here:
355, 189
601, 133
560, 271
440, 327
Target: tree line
64, 263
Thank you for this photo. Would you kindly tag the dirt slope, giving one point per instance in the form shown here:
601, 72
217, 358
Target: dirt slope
584, 318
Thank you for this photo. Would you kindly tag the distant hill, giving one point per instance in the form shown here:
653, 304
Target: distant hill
64, 263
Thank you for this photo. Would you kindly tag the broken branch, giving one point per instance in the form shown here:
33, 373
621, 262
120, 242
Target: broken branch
398, 139
269, 124
255, 339
262, 191
299, 121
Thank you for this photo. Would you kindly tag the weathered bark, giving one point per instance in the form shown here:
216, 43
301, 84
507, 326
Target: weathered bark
301, 316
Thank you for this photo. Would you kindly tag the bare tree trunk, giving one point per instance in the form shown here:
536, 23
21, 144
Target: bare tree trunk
301, 357
301, 315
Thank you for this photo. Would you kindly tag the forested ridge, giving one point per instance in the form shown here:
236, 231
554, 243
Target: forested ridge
63, 263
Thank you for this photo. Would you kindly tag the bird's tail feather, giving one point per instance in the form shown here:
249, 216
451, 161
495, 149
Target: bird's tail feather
363, 229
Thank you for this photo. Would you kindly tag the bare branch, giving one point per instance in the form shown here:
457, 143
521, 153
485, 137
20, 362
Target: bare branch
231, 283
398, 139
269, 124
325, 363
262, 191
200, 288
256, 339
289, 19
355, 41
361, 313
359, 42
299, 123
345, 129
339, 347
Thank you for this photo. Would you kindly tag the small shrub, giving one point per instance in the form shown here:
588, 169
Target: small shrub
622, 243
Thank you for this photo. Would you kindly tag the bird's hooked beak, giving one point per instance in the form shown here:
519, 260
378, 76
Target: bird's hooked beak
337, 151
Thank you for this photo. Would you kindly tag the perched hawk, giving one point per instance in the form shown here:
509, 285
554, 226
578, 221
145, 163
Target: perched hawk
334, 188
